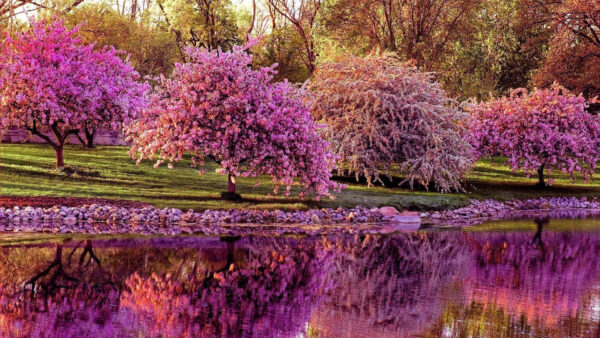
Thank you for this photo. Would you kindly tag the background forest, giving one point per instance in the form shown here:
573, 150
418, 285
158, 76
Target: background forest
474, 47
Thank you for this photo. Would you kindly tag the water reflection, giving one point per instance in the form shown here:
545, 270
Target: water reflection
538, 283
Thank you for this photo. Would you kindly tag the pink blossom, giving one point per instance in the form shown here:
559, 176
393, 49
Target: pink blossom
542, 129
51, 82
216, 106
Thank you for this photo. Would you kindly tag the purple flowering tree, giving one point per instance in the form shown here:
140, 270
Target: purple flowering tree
538, 131
121, 96
51, 83
217, 107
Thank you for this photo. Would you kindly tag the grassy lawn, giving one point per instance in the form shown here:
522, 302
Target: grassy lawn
108, 172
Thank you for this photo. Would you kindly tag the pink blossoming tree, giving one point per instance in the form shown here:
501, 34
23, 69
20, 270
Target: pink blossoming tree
538, 131
51, 83
386, 116
121, 96
217, 107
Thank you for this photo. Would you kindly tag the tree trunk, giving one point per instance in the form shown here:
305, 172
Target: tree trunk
60, 162
231, 184
230, 194
133, 9
89, 138
541, 183
81, 140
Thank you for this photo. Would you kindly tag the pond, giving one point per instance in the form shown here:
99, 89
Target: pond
531, 278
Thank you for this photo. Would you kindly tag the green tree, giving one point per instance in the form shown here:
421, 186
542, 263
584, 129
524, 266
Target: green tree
414, 29
283, 46
501, 53
201, 23
152, 50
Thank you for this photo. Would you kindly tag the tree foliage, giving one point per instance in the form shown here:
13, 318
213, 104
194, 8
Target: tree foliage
302, 15
203, 23
573, 57
51, 82
415, 29
151, 48
498, 52
386, 115
216, 106
544, 129
283, 47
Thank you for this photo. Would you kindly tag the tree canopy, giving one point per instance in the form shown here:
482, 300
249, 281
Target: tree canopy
217, 107
538, 131
51, 82
382, 114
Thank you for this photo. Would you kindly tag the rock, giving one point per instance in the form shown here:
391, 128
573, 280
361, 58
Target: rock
389, 211
409, 213
350, 216
407, 217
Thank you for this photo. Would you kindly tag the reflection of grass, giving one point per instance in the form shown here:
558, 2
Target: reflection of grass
20, 239
108, 172
589, 224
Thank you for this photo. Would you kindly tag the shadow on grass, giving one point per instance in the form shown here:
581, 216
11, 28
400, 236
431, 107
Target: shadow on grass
392, 182
254, 200
506, 190
498, 171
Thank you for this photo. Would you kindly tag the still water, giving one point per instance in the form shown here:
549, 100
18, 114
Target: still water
530, 279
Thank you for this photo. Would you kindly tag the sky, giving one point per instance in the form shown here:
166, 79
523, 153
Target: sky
242, 2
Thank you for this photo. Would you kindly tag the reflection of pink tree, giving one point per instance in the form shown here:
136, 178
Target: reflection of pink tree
384, 285
61, 297
272, 292
57, 277
524, 276
89, 304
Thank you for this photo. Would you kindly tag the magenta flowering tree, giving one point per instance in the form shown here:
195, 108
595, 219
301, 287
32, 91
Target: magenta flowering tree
217, 107
121, 97
538, 131
52, 84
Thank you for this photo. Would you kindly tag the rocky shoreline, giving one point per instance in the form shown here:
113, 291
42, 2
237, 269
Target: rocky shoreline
490, 210
110, 219
114, 219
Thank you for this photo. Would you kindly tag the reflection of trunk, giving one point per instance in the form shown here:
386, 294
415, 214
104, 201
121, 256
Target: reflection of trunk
87, 250
53, 283
212, 258
537, 238
230, 255
230, 251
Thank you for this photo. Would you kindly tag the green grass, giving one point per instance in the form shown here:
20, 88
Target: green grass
494, 180
108, 172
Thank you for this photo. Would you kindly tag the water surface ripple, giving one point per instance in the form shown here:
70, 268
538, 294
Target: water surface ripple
532, 279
